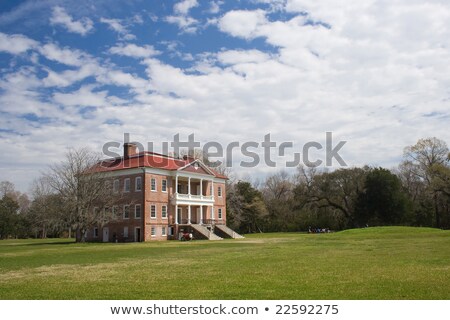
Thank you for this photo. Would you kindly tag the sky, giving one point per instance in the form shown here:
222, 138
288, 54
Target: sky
82, 73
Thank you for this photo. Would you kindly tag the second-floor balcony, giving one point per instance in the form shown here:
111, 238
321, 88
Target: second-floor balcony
192, 197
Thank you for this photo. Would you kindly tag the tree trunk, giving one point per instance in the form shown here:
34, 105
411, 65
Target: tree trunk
436, 211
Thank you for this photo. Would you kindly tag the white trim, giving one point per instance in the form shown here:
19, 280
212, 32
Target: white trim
125, 234
135, 184
162, 217
125, 184
152, 231
135, 234
200, 163
123, 214
140, 211
162, 190
151, 185
156, 211
164, 234
114, 185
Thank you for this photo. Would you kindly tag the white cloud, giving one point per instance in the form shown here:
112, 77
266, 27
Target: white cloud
186, 23
183, 7
214, 6
242, 56
67, 56
117, 26
16, 43
82, 97
132, 50
242, 23
60, 17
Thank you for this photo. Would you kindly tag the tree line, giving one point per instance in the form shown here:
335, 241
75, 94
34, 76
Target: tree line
416, 193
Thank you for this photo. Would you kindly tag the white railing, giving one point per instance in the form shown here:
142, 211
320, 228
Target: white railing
182, 196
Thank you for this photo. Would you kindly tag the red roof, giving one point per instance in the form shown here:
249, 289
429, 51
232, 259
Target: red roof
151, 160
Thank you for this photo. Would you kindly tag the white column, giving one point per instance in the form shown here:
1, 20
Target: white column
176, 185
189, 187
201, 214
189, 214
212, 212
176, 214
201, 188
212, 188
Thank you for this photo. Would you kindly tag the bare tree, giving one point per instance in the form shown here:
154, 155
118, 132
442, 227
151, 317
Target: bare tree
85, 191
422, 159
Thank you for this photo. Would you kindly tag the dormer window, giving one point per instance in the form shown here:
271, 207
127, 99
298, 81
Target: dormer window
196, 166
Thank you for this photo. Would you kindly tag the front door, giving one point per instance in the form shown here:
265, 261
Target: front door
105, 234
137, 235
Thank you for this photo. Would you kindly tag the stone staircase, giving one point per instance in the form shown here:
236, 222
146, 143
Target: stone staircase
226, 232
205, 232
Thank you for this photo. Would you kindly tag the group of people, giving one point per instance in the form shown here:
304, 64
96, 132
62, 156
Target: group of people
185, 236
318, 230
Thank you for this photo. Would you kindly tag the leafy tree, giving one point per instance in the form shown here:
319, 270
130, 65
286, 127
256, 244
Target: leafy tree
337, 191
9, 218
245, 207
382, 201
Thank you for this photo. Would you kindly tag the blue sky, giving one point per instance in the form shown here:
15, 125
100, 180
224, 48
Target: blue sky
82, 73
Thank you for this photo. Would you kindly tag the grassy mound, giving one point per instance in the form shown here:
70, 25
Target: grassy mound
369, 263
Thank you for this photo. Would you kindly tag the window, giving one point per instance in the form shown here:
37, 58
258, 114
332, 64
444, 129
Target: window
153, 211
125, 232
153, 184
164, 185
163, 231
138, 184
164, 212
115, 211
170, 231
95, 232
116, 185
219, 191
219, 213
137, 211
126, 211
153, 231
126, 185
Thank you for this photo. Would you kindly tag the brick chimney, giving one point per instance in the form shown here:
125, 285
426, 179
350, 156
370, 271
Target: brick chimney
129, 149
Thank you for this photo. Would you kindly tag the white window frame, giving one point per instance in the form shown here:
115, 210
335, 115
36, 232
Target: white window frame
156, 211
116, 185
153, 232
163, 231
135, 211
219, 213
151, 185
125, 207
114, 212
164, 216
136, 184
126, 182
164, 185
125, 232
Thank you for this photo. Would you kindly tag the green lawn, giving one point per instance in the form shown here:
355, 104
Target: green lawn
372, 263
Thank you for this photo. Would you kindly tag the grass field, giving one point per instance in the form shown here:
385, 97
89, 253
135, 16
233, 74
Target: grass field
372, 263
